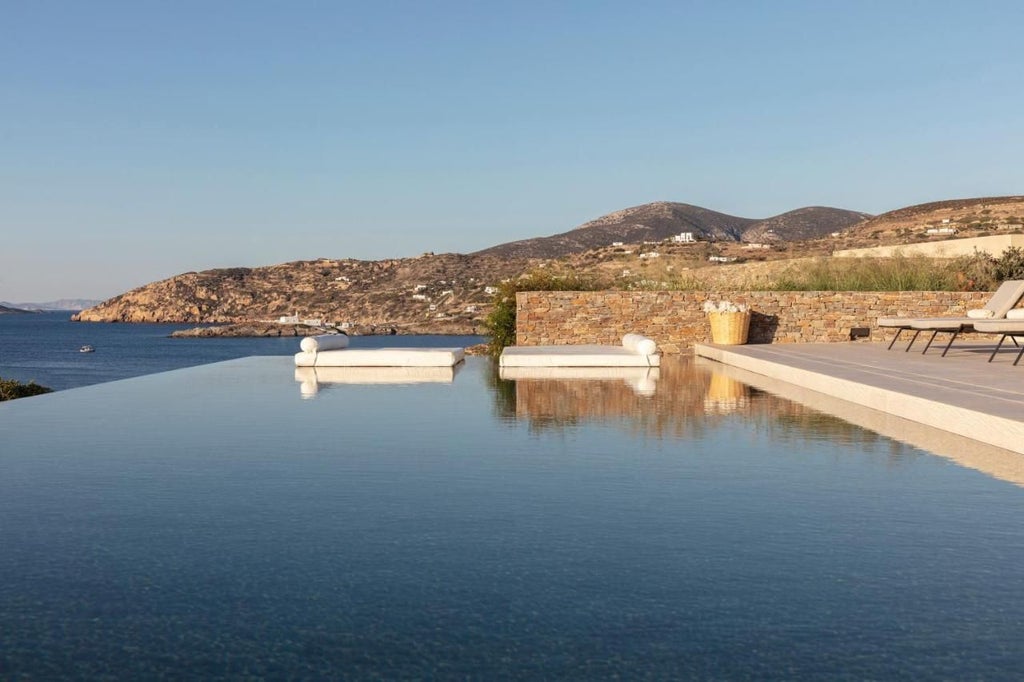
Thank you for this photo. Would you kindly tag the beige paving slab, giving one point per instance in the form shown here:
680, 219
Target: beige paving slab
960, 393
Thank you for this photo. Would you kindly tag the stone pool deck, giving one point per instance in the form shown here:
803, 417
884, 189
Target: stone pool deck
961, 395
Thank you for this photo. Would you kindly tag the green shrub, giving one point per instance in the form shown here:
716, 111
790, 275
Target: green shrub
975, 272
10, 389
501, 322
1010, 265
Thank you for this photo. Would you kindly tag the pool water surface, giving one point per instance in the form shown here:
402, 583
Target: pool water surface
241, 519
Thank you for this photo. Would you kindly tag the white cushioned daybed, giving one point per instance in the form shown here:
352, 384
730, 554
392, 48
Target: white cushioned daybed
328, 351
635, 351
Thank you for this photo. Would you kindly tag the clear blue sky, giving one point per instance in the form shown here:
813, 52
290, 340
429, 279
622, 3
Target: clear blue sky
143, 139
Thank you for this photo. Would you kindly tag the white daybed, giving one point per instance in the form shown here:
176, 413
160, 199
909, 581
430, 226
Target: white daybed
635, 351
315, 355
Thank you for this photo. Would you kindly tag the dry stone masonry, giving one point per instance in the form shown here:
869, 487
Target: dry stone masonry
675, 319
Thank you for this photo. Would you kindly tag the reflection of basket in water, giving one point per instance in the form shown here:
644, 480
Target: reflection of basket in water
725, 394
723, 388
729, 329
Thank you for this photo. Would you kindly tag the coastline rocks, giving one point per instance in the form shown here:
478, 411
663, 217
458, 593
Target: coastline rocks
271, 329
250, 330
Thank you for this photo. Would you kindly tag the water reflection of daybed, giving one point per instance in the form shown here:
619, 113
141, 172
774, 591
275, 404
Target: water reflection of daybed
635, 351
331, 351
643, 380
312, 379
376, 375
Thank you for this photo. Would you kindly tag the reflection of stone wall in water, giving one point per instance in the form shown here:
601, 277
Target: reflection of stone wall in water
690, 397
676, 399
676, 320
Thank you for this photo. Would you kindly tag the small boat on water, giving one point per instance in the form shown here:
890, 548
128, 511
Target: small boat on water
86, 349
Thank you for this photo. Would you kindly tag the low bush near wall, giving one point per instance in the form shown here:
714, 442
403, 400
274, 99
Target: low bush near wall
501, 322
1010, 265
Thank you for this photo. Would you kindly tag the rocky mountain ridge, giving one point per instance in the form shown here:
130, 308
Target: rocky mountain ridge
662, 220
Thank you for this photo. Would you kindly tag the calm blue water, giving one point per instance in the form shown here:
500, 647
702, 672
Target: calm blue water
217, 522
44, 348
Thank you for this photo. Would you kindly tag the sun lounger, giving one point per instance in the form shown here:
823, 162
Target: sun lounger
635, 351
1009, 330
1003, 300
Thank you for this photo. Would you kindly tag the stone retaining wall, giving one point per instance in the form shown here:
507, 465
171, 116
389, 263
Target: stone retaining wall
675, 319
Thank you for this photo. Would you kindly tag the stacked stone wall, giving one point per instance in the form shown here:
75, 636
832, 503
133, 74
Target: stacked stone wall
675, 319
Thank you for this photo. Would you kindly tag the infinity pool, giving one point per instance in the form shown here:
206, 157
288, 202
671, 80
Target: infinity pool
242, 520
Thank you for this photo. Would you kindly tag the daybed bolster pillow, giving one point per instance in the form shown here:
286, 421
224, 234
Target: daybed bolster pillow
980, 314
315, 344
1015, 314
639, 344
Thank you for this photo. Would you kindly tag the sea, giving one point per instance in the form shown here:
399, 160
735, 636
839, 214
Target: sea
45, 348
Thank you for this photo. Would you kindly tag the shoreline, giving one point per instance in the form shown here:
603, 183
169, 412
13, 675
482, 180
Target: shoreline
273, 330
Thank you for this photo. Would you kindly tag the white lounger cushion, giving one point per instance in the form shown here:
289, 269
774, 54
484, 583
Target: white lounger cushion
1000, 326
981, 314
1015, 314
941, 323
382, 357
894, 321
575, 356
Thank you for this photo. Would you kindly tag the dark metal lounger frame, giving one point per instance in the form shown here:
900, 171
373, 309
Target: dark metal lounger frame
1013, 336
953, 334
917, 332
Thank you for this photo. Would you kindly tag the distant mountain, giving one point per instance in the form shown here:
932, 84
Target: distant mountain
62, 304
5, 309
662, 219
649, 222
812, 222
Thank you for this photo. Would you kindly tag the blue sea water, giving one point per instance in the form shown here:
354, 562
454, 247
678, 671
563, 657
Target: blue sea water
45, 348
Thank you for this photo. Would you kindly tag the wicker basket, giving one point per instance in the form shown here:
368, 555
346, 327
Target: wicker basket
729, 329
